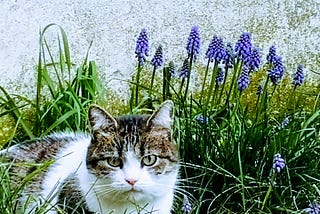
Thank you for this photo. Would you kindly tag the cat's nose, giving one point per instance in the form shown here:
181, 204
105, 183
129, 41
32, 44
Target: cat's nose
131, 181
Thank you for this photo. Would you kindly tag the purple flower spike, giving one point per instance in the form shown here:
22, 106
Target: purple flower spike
172, 69
298, 78
314, 208
186, 207
271, 57
202, 119
193, 45
219, 77
277, 72
216, 50
243, 46
184, 72
158, 60
259, 90
142, 47
284, 123
230, 55
278, 163
244, 80
253, 60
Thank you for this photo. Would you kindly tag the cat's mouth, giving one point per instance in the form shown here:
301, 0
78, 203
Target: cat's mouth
134, 190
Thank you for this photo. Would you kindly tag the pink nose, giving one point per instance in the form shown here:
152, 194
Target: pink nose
131, 181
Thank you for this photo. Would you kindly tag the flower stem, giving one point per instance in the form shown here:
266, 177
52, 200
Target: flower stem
137, 83
204, 80
152, 78
212, 82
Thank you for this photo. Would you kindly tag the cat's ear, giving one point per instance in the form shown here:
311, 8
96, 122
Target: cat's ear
163, 116
100, 119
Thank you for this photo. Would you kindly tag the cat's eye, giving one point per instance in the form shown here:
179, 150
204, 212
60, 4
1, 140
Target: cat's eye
148, 160
114, 161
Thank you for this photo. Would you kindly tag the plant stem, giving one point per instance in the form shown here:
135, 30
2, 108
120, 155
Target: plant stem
212, 82
137, 83
152, 78
204, 80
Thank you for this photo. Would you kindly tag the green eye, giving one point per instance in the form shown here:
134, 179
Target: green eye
148, 160
114, 161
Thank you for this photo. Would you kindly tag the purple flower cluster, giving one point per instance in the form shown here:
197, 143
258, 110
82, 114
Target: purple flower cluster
244, 79
298, 78
313, 208
259, 90
243, 46
172, 69
158, 60
277, 72
285, 123
184, 72
216, 50
186, 207
278, 163
253, 59
193, 45
230, 55
202, 119
142, 47
220, 76
271, 57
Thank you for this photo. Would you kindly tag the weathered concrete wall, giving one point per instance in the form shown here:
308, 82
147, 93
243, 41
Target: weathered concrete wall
293, 26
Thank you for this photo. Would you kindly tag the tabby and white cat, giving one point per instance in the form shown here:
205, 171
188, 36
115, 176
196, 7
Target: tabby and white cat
128, 164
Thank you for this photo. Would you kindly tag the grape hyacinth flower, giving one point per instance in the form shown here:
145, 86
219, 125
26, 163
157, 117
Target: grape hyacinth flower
285, 123
278, 163
158, 60
253, 60
229, 57
220, 76
202, 119
260, 90
298, 78
186, 207
216, 50
172, 69
277, 72
184, 72
244, 79
142, 47
243, 46
313, 208
271, 57
193, 45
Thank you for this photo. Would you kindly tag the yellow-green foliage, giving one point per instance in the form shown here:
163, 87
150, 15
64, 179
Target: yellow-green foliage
7, 129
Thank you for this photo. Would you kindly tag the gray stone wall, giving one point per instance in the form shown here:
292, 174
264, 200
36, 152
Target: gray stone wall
113, 25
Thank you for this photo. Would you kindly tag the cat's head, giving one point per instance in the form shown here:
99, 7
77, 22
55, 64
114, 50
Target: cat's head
133, 156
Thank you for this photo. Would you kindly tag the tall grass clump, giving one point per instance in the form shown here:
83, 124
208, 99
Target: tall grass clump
248, 132
63, 91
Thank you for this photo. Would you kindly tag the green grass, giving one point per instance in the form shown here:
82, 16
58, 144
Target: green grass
226, 161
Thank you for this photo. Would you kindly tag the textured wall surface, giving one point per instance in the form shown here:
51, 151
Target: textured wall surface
113, 25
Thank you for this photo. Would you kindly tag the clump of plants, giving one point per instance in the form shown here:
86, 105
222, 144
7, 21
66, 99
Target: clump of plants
248, 131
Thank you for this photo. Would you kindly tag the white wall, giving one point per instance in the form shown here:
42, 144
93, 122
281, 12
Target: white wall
292, 25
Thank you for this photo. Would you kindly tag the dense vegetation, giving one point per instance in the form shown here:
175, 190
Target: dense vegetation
248, 131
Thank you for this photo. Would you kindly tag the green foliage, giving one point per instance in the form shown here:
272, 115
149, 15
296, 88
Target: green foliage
63, 92
227, 139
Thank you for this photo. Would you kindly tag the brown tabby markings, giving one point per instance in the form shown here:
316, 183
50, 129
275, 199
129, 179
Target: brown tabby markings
132, 133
